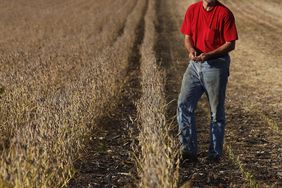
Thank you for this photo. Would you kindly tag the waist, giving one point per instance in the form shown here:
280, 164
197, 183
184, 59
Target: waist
220, 61
198, 52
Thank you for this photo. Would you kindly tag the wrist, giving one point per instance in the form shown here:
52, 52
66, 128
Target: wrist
209, 55
192, 50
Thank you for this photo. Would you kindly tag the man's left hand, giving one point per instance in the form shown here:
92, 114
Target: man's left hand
202, 57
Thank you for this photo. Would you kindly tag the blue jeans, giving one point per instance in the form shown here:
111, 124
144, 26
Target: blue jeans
209, 77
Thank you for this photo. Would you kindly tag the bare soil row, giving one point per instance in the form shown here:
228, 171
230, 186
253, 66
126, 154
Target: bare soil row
108, 160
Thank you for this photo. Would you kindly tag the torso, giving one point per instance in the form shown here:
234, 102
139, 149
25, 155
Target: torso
207, 26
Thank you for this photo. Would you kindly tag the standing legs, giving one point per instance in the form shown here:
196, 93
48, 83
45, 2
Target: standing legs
215, 82
191, 91
210, 77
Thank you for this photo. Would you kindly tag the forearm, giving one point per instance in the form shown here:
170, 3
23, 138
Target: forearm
222, 50
189, 44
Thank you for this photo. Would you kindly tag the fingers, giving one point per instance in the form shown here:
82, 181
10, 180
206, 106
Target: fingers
202, 57
199, 58
192, 56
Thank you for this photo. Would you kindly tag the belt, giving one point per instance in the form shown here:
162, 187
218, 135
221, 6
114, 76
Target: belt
198, 52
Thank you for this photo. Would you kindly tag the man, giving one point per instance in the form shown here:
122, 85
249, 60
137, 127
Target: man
210, 34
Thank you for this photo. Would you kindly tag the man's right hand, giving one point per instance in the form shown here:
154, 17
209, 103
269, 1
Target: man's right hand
193, 55
190, 47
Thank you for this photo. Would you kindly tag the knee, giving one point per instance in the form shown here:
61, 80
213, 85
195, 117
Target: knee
218, 117
183, 108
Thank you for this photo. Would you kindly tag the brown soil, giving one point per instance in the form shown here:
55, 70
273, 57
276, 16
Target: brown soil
107, 160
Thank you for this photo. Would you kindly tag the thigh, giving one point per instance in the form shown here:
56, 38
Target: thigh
191, 88
215, 80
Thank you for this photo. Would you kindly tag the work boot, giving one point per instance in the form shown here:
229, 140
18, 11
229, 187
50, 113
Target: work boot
187, 157
213, 159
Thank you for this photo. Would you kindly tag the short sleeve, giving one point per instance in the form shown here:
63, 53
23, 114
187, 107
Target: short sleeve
230, 30
186, 24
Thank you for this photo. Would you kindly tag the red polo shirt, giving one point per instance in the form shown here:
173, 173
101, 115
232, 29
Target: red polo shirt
209, 29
